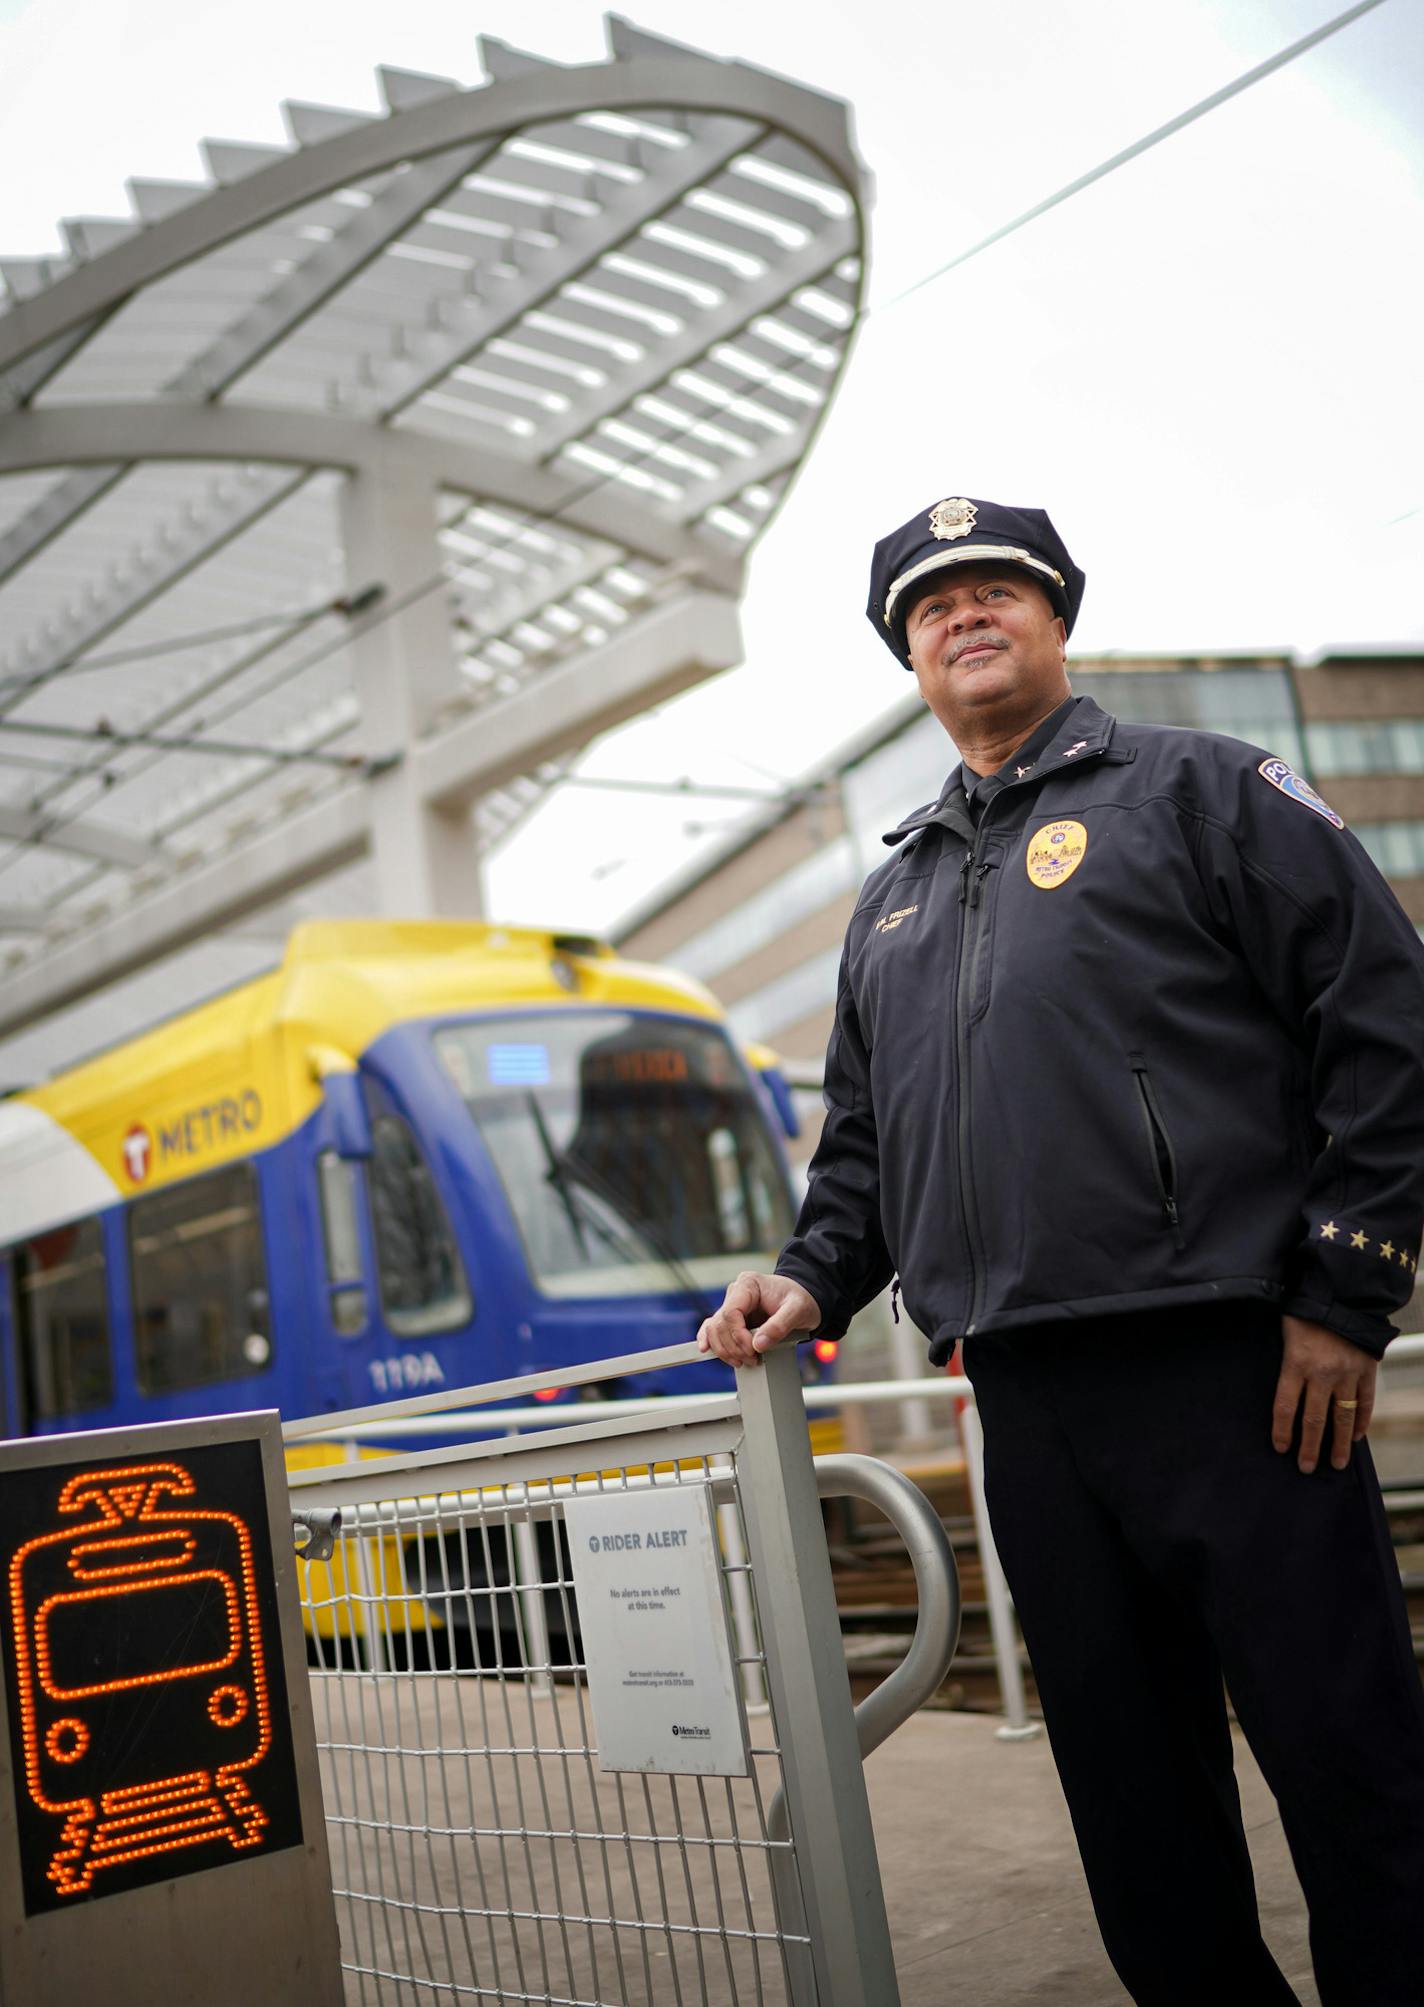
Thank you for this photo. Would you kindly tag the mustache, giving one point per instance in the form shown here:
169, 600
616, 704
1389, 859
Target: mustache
983, 638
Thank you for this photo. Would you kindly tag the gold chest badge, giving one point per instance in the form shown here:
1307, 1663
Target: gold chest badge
1055, 852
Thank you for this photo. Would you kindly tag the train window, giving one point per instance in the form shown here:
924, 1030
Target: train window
422, 1281
345, 1280
200, 1300
633, 1149
61, 1295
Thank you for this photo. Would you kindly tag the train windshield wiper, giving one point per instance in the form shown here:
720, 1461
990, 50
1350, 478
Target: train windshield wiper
640, 1225
629, 1232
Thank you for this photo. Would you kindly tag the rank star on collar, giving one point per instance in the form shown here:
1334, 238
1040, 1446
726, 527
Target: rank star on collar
1021, 771
1081, 747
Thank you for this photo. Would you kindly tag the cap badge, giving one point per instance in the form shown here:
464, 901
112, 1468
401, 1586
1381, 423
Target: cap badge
954, 518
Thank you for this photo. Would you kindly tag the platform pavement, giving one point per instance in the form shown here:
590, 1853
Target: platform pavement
985, 1897
986, 1900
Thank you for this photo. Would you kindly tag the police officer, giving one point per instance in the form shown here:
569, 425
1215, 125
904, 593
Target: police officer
1127, 1083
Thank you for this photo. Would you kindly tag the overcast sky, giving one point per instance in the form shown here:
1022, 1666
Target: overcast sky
1206, 367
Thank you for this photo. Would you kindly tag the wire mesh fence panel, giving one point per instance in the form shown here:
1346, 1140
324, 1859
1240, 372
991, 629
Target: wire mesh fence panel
479, 1850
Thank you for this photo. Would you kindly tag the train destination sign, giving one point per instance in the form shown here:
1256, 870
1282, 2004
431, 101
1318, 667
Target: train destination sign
149, 1724
657, 1644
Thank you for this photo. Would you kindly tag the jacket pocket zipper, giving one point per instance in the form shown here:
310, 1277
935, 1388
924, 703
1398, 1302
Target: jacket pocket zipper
1164, 1161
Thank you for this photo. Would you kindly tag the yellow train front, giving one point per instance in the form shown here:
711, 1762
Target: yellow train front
417, 1155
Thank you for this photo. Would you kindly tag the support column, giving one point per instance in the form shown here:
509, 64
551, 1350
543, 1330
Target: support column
426, 859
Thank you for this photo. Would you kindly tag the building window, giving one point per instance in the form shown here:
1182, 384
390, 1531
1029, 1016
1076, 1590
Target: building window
62, 1298
1396, 847
200, 1300
1251, 704
422, 1281
767, 915
1388, 746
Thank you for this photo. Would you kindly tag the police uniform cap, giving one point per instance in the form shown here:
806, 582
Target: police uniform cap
962, 530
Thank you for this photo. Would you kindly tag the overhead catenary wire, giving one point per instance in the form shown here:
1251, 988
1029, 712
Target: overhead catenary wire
107, 735
394, 604
1139, 147
347, 605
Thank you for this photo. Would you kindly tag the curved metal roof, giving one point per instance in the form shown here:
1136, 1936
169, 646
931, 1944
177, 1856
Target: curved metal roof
592, 314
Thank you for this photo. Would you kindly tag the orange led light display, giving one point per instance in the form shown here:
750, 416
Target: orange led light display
139, 1643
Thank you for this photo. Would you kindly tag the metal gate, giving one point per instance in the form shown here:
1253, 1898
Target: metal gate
479, 1851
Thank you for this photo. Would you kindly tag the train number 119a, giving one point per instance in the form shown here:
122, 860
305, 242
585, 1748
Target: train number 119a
408, 1369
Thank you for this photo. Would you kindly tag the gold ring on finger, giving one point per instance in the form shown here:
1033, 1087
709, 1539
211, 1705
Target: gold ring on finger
1344, 1405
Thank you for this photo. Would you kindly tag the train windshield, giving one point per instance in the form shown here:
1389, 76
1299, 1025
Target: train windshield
633, 1150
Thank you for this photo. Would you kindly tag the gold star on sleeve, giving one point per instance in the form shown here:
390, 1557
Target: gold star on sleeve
1403, 1259
1359, 1240
1329, 1230
1387, 1249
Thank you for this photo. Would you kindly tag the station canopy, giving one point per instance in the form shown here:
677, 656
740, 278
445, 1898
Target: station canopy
371, 477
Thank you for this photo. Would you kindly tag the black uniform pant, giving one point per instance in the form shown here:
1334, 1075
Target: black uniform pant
1156, 1543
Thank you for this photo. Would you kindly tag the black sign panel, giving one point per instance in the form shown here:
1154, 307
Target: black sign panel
147, 1695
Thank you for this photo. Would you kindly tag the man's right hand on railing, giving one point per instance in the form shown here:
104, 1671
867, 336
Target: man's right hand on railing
758, 1311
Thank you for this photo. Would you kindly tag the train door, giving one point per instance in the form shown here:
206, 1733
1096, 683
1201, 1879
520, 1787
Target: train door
394, 1284
344, 1316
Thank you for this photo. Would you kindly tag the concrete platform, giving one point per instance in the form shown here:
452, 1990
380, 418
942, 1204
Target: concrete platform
476, 1843
987, 1902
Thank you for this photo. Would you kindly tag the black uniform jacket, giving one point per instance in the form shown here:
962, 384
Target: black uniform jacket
1152, 1034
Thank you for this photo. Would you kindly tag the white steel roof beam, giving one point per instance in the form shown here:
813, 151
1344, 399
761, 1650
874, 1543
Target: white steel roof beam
333, 834
109, 757
741, 305
646, 211
324, 273
669, 649
29, 377
36, 669
64, 504
355, 155
330, 267
666, 650
625, 211
81, 839
508, 609
777, 457
69, 435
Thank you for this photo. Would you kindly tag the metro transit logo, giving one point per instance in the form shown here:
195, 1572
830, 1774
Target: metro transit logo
192, 1134
137, 1147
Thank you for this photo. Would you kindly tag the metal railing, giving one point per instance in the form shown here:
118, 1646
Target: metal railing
480, 1851
411, 1418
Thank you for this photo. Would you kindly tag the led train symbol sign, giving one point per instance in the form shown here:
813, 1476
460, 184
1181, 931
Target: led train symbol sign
137, 1631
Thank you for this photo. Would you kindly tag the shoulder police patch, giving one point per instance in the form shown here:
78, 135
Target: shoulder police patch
1285, 777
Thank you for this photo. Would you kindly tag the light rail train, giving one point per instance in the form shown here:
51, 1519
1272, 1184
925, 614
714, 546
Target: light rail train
416, 1155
